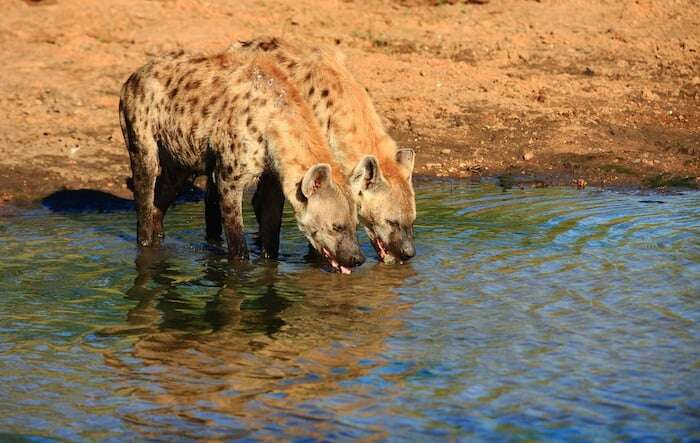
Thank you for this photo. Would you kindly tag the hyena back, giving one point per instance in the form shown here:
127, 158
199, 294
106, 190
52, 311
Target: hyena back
232, 117
379, 172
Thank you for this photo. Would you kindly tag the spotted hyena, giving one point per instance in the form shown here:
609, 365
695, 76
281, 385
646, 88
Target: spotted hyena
379, 173
233, 116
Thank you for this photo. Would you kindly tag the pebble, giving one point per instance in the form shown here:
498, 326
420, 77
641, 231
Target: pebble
446, 151
648, 94
528, 155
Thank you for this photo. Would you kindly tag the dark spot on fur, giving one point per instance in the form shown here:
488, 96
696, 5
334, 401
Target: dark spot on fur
311, 91
249, 121
308, 76
197, 60
253, 129
329, 103
268, 45
193, 84
173, 93
229, 169
324, 93
260, 139
328, 124
236, 178
292, 64
247, 95
227, 209
193, 101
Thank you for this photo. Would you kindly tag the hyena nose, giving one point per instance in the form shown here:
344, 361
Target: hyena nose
357, 259
408, 251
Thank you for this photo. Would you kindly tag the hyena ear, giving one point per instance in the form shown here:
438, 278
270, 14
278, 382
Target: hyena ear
406, 158
316, 178
366, 174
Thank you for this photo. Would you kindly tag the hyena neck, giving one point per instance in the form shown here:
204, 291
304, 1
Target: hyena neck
295, 143
293, 153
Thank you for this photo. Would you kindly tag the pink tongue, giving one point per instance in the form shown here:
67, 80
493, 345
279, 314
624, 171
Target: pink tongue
382, 251
344, 270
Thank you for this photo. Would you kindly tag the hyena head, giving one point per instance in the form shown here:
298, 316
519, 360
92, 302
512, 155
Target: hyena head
328, 218
387, 205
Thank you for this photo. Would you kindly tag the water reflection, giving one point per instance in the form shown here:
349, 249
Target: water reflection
253, 343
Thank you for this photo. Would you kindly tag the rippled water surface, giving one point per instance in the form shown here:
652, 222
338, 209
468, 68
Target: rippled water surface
539, 314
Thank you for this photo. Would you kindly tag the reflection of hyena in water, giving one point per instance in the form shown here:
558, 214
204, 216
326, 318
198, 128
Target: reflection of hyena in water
231, 117
379, 173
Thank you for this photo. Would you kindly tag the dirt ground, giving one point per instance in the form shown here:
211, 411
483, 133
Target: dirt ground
549, 91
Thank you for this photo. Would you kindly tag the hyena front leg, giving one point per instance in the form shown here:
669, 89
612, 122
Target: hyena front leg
230, 188
268, 203
143, 153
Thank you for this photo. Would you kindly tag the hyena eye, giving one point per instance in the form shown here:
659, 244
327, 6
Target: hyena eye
392, 223
338, 228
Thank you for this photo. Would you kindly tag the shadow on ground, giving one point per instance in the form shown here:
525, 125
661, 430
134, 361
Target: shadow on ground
92, 200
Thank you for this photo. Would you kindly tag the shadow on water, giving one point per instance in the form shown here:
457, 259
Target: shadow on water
92, 200
253, 343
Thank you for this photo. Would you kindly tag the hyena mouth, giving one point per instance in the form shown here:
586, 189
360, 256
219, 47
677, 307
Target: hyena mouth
334, 263
379, 247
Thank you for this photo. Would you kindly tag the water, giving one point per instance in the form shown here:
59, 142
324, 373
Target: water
538, 314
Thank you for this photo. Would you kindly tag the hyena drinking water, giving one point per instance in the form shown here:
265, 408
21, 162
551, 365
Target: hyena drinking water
379, 172
232, 116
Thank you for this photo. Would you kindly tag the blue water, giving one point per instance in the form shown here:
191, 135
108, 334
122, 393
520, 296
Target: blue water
536, 314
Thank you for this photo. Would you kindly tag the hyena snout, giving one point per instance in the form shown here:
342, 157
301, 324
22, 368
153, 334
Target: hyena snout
349, 254
407, 250
403, 245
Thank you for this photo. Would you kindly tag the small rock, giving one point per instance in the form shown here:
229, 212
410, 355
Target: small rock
528, 155
446, 151
649, 95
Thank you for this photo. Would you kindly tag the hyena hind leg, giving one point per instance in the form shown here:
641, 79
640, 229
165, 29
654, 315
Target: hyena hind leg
212, 210
268, 204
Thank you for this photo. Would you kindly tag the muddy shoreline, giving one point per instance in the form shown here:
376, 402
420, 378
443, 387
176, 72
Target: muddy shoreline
512, 88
